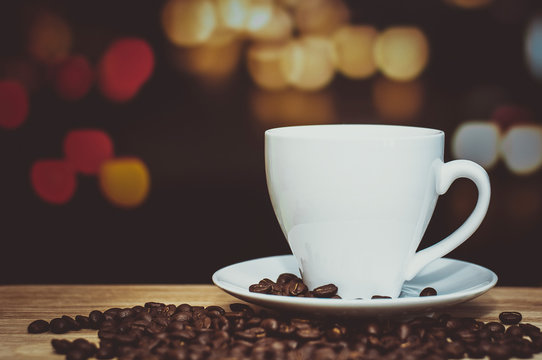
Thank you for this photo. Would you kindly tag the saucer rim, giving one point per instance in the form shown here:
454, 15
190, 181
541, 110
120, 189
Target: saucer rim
327, 304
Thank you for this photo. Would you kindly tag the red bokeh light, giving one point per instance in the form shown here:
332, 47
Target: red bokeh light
86, 149
53, 180
13, 104
506, 116
73, 78
126, 65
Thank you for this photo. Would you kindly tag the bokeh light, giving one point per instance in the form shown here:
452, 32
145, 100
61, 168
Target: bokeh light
469, 4
73, 78
212, 63
189, 22
308, 63
401, 53
506, 116
320, 17
478, 141
292, 107
232, 14
398, 101
533, 46
522, 149
278, 28
264, 66
126, 65
53, 180
354, 49
14, 104
49, 38
87, 149
259, 14
125, 182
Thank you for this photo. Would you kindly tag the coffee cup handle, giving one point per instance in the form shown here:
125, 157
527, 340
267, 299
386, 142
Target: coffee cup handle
446, 174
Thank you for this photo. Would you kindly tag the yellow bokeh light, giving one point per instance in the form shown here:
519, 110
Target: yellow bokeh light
397, 100
469, 4
125, 182
213, 62
292, 107
233, 14
279, 28
354, 49
263, 62
308, 63
49, 38
321, 17
189, 22
401, 53
259, 14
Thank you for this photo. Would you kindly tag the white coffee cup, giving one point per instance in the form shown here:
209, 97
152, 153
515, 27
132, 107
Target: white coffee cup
354, 201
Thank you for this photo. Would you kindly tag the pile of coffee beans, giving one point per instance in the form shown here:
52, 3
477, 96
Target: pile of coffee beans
292, 285
158, 331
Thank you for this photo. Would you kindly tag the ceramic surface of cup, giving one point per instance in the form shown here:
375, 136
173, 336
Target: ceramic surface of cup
354, 201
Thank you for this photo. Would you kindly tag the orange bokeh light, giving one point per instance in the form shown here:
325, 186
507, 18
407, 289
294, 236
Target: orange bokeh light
125, 182
49, 38
397, 100
354, 48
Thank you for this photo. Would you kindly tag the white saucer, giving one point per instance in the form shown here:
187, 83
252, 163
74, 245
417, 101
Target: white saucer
455, 281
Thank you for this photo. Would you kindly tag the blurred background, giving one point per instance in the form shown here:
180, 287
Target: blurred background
131, 133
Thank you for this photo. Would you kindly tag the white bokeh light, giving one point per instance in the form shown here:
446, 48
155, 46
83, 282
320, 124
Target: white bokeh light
478, 141
522, 149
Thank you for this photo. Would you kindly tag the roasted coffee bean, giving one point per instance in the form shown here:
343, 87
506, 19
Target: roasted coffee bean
530, 329
325, 291
285, 278
251, 334
38, 326
296, 288
72, 324
428, 291
61, 346
510, 317
309, 333
336, 332
260, 288
83, 321
85, 346
95, 319
495, 327
514, 331
76, 354
59, 326
270, 325
380, 297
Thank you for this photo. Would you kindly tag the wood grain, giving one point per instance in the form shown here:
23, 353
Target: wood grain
21, 304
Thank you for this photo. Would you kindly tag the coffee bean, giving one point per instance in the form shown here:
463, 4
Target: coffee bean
71, 323
286, 277
95, 319
38, 326
428, 291
59, 326
61, 346
380, 297
83, 321
325, 291
296, 288
510, 317
76, 354
260, 288
309, 333
85, 346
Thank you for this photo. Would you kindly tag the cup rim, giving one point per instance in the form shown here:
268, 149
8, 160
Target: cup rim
353, 132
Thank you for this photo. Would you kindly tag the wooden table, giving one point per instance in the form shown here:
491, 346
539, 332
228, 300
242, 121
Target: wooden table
21, 304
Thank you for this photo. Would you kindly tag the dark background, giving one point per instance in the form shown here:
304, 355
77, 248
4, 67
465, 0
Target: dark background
208, 205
